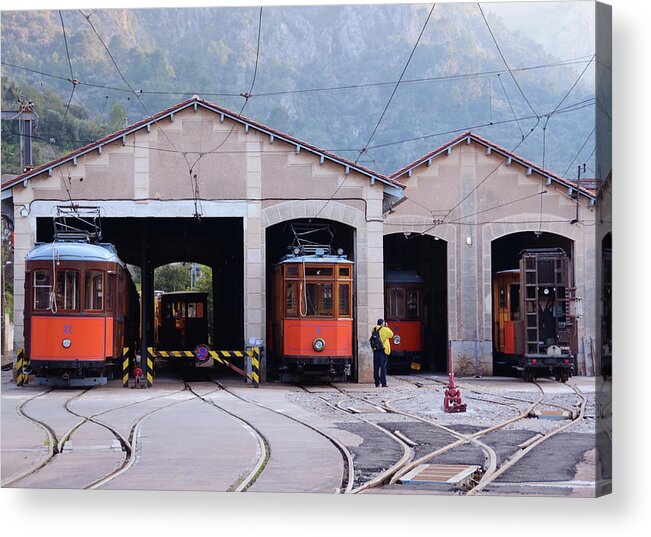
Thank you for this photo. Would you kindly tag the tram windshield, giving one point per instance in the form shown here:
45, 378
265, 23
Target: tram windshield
319, 299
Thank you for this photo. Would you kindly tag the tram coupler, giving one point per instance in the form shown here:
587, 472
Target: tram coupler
452, 402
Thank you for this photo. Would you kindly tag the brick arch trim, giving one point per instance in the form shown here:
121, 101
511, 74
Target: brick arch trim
292, 210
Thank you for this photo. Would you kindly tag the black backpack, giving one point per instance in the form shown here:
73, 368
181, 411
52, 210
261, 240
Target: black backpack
376, 340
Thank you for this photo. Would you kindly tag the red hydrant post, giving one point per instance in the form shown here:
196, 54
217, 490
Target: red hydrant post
452, 401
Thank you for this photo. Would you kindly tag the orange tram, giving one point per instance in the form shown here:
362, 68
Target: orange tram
81, 310
533, 316
312, 315
403, 292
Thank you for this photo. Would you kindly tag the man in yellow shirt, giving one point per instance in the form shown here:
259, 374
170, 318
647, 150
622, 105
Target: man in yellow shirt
381, 356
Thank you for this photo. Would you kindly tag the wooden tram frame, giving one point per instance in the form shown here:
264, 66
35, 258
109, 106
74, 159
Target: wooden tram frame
407, 345
78, 344
523, 337
313, 340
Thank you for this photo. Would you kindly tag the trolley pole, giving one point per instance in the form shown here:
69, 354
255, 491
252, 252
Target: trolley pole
452, 401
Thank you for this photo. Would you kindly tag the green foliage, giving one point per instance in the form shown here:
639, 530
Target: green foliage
55, 133
117, 117
171, 54
173, 277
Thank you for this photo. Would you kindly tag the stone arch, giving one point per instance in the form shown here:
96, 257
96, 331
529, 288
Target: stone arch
295, 209
419, 224
491, 232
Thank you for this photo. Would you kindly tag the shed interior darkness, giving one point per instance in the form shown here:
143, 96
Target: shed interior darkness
153, 242
428, 257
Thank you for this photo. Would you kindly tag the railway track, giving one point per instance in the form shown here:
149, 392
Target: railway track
347, 477
490, 467
248, 478
383, 476
56, 445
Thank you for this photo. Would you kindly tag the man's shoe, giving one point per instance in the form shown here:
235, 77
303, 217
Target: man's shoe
384, 386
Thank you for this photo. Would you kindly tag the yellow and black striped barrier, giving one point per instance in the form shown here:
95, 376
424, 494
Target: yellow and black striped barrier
125, 367
150, 372
22, 365
221, 357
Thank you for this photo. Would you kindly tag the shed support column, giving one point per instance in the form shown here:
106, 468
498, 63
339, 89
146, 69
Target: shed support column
146, 304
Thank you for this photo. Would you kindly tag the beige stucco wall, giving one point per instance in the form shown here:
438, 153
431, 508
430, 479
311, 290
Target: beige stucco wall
246, 174
469, 171
266, 181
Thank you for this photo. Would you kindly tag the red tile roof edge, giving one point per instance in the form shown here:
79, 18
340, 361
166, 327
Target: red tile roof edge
484, 141
208, 105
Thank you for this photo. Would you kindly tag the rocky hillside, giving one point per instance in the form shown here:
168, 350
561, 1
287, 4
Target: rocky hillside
170, 54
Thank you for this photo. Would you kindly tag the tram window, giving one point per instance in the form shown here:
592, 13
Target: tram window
412, 304
94, 290
502, 297
318, 271
515, 302
121, 305
319, 299
397, 302
42, 289
67, 285
110, 279
195, 310
344, 271
290, 299
291, 270
344, 300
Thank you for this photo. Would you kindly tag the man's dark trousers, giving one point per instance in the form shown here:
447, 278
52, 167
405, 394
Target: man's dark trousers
380, 360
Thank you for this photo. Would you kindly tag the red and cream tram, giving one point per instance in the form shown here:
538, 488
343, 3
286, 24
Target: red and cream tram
403, 292
81, 309
312, 315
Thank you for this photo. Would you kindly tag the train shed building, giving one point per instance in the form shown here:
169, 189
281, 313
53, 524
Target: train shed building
199, 183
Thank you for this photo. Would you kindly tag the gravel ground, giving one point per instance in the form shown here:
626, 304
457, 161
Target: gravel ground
556, 460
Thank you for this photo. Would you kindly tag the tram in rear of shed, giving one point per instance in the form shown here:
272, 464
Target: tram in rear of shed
403, 311
181, 320
534, 315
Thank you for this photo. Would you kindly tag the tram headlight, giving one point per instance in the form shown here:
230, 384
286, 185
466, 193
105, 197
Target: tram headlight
318, 344
66, 343
396, 340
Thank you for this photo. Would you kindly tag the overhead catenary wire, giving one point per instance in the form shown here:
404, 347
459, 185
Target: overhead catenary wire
510, 105
386, 107
499, 50
474, 189
87, 17
569, 108
343, 87
246, 95
72, 80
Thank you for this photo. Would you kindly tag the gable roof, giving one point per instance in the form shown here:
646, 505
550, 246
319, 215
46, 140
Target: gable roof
196, 102
511, 157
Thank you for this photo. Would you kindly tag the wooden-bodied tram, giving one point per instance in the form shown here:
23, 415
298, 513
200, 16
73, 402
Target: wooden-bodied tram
181, 320
534, 315
403, 311
312, 312
81, 307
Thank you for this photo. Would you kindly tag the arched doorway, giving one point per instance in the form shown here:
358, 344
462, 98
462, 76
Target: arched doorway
420, 261
318, 302
506, 252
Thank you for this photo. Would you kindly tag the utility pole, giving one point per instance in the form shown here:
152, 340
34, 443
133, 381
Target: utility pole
25, 117
581, 167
